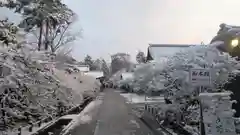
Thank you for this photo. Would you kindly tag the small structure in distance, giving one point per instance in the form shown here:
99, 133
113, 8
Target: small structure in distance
83, 68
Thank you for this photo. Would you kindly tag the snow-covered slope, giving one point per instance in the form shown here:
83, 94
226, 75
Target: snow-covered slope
80, 83
30, 91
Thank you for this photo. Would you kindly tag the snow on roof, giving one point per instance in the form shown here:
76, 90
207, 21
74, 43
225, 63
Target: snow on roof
219, 94
95, 74
161, 51
134, 98
83, 68
82, 65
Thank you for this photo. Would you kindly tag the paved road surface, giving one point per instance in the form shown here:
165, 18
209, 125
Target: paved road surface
114, 117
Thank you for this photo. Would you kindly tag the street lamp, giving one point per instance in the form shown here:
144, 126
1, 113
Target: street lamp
234, 42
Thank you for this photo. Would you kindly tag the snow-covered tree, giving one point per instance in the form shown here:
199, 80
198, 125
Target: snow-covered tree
52, 27
56, 38
88, 61
105, 69
49, 17
97, 64
28, 90
120, 61
140, 57
171, 79
174, 73
8, 32
64, 56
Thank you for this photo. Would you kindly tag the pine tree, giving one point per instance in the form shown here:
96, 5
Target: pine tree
49, 14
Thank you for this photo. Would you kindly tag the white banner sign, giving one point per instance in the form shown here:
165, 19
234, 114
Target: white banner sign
200, 77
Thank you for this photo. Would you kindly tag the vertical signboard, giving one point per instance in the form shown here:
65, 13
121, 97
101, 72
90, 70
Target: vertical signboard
200, 78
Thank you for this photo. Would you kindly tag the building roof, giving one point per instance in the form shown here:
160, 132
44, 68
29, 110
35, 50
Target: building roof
82, 68
161, 51
95, 74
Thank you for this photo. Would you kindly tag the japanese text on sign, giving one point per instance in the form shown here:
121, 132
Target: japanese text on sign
201, 77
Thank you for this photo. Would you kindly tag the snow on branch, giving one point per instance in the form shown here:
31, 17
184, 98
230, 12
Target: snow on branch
174, 73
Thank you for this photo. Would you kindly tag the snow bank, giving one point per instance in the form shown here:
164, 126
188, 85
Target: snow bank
84, 117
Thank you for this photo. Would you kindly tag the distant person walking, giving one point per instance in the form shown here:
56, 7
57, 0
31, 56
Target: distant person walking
101, 79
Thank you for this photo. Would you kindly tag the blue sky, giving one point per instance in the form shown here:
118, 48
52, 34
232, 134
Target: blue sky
111, 26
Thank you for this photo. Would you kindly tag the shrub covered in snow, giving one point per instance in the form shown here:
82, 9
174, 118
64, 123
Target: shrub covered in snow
173, 75
171, 79
28, 89
29, 92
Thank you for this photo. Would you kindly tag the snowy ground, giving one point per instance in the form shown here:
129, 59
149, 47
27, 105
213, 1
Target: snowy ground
138, 99
108, 115
85, 121
88, 83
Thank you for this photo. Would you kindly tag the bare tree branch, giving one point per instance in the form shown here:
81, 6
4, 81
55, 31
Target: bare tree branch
60, 39
56, 32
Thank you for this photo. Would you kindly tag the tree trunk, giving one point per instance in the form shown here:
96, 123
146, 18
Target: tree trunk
52, 47
47, 34
40, 36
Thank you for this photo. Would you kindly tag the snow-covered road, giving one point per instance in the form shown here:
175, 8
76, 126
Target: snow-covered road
114, 117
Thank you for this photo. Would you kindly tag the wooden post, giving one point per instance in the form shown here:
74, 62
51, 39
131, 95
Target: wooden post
39, 123
30, 128
145, 107
152, 110
202, 128
19, 131
156, 111
3, 116
158, 118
